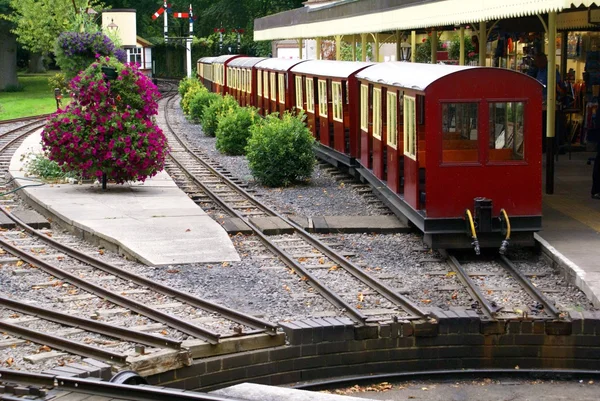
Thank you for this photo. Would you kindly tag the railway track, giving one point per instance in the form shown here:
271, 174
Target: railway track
202, 177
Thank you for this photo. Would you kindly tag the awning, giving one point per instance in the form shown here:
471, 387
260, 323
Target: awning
308, 24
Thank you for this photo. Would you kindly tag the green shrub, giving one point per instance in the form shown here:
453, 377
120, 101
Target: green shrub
233, 130
198, 101
280, 151
192, 88
188, 83
39, 165
59, 80
212, 112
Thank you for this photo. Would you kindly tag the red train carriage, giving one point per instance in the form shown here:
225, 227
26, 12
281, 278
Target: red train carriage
220, 76
447, 139
245, 70
205, 71
324, 89
273, 81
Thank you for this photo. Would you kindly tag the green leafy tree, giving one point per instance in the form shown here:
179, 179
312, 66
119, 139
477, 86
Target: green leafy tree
424, 50
454, 49
37, 23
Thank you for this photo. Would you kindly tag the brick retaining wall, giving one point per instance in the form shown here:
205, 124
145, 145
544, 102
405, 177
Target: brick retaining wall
327, 348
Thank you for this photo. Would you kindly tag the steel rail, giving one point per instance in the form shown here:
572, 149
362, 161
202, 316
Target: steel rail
107, 389
90, 325
9, 143
473, 289
62, 343
350, 267
287, 259
192, 300
21, 119
7, 133
529, 287
175, 322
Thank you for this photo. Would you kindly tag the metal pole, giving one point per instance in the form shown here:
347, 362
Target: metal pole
166, 25
363, 46
434, 43
413, 46
482, 42
189, 45
551, 103
462, 46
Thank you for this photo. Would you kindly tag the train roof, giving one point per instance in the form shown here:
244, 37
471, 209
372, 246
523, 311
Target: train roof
246, 61
328, 68
416, 76
206, 60
225, 58
279, 64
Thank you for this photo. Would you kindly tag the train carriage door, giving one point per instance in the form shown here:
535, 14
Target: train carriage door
281, 92
411, 163
273, 84
259, 92
299, 92
323, 112
378, 134
311, 108
365, 104
337, 103
266, 102
393, 170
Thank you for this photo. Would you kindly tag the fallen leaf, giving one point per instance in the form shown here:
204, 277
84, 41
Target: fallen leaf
322, 261
285, 287
426, 301
44, 348
101, 251
455, 295
10, 361
225, 264
304, 278
517, 367
173, 271
361, 297
164, 332
450, 274
20, 263
333, 268
188, 230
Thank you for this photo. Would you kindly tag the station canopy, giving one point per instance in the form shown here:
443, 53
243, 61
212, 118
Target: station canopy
347, 17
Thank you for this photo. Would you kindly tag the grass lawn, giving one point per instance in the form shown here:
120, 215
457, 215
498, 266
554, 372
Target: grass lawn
36, 97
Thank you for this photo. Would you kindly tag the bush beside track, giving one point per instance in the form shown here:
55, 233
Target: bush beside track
280, 151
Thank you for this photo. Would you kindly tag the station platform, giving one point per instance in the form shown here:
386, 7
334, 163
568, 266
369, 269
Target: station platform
153, 222
571, 223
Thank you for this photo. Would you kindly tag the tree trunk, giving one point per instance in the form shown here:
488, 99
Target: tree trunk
36, 63
8, 58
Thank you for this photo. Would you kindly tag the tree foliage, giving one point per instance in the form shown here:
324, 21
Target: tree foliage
39, 22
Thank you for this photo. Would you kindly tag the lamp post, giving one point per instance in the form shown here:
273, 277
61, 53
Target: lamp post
58, 97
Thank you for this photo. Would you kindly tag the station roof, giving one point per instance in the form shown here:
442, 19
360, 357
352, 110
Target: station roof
278, 64
334, 69
348, 17
415, 76
246, 61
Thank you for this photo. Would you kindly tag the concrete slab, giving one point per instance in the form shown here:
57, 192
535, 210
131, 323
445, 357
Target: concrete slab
272, 225
154, 222
262, 392
359, 224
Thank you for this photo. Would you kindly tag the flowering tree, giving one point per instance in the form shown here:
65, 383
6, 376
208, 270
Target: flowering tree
108, 126
75, 51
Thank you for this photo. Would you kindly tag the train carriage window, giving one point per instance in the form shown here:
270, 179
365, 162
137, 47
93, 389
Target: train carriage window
273, 86
377, 113
299, 95
241, 80
266, 84
506, 131
281, 88
410, 128
310, 95
364, 107
259, 89
249, 81
237, 78
322, 98
392, 119
338, 107
460, 132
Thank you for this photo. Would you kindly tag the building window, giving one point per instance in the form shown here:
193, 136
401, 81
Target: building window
506, 121
338, 106
377, 113
310, 95
266, 84
282, 88
410, 128
259, 90
460, 132
364, 107
299, 95
322, 98
135, 55
392, 119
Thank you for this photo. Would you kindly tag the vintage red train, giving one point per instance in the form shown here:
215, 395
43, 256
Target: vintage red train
455, 150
